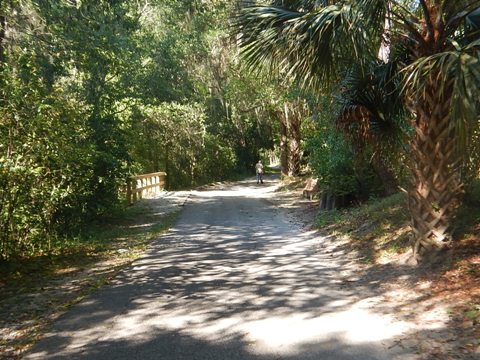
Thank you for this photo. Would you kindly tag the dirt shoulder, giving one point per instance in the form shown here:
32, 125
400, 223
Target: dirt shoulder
441, 300
38, 291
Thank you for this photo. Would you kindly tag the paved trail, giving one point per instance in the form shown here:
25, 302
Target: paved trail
234, 279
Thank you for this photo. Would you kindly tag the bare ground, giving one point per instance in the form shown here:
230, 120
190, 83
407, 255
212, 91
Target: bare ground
441, 300
441, 305
33, 299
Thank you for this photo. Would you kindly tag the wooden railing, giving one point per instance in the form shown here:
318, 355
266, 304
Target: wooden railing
143, 185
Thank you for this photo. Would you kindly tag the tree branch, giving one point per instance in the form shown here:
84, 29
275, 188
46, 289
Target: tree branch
428, 19
249, 109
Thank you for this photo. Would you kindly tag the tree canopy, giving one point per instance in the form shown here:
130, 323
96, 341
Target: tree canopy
430, 52
93, 92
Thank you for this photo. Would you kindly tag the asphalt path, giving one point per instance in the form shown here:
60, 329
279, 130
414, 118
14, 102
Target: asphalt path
234, 279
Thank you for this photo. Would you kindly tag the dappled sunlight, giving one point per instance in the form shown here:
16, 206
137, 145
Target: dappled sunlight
143, 225
247, 188
233, 273
353, 326
276, 311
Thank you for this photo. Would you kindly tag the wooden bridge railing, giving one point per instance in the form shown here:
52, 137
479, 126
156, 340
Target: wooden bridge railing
142, 185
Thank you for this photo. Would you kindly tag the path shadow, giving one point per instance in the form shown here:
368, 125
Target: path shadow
232, 280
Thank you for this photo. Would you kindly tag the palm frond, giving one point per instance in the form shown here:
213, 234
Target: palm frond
463, 21
457, 76
309, 46
374, 13
452, 9
371, 107
299, 5
260, 34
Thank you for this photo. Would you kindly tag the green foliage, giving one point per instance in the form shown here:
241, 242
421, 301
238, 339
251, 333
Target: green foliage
377, 228
95, 91
332, 162
471, 168
298, 41
92, 92
468, 217
45, 168
173, 137
251, 127
217, 160
313, 42
340, 170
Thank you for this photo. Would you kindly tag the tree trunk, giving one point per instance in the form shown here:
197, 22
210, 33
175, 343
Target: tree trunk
283, 149
437, 189
290, 123
294, 137
167, 165
290, 136
3, 26
389, 181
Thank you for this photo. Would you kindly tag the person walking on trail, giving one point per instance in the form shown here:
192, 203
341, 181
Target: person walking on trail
259, 171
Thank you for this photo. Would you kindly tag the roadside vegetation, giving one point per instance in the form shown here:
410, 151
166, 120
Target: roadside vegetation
36, 290
93, 92
375, 99
393, 88
376, 229
201, 91
378, 233
380, 228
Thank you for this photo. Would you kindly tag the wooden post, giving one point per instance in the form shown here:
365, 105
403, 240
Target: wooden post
141, 185
129, 191
135, 193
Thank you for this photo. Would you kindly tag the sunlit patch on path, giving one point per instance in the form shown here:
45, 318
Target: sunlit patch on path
234, 279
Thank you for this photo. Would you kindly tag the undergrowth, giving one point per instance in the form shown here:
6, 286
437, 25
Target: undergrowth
380, 227
376, 229
74, 268
291, 183
118, 237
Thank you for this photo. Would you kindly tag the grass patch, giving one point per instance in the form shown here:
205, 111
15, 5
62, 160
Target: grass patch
377, 214
272, 171
292, 183
34, 289
376, 229
380, 228
468, 219
122, 236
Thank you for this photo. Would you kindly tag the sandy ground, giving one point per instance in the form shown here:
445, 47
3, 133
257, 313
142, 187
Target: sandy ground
243, 275
236, 278
432, 305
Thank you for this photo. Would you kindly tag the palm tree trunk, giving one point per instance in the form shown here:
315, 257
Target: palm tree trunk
437, 186
283, 149
167, 165
294, 137
3, 25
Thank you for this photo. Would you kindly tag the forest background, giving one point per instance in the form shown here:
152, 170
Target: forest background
93, 92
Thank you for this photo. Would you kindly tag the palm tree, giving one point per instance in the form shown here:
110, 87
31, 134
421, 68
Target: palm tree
290, 117
313, 41
372, 117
